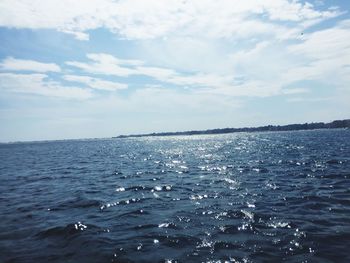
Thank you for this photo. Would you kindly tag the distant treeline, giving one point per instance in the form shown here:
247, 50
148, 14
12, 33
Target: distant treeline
289, 127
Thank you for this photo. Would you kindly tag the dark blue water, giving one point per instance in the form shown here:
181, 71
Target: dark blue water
248, 197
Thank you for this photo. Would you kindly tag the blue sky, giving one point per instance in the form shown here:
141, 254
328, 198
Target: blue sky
100, 68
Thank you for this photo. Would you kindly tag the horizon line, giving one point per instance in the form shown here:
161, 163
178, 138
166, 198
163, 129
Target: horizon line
183, 133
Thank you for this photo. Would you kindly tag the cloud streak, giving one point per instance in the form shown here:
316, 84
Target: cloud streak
106, 64
13, 64
40, 84
96, 83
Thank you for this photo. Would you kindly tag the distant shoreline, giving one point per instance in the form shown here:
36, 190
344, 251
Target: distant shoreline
290, 127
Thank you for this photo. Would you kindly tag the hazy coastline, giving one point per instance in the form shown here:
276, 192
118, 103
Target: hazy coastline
290, 127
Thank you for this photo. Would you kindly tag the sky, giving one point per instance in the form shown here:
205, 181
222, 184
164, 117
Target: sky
100, 68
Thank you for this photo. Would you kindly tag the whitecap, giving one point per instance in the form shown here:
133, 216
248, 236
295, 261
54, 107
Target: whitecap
80, 226
250, 205
249, 215
120, 189
163, 225
279, 225
158, 188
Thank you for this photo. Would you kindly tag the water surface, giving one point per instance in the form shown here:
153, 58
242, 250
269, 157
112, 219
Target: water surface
245, 197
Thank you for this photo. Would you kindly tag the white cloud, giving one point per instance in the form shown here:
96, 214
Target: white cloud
324, 55
13, 64
326, 43
189, 54
78, 35
105, 64
147, 19
245, 56
155, 72
196, 60
257, 81
109, 59
262, 68
39, 84
173, 77
96, 83
296, 11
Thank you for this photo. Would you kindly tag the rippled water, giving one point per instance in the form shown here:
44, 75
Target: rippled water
248, 197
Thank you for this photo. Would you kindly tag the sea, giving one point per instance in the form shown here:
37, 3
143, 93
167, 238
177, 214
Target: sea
241, 197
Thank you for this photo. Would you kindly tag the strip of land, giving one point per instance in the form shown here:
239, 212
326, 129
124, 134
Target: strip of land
290, 127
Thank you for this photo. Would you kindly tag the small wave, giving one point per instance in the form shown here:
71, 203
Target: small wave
69, 230
123, 202
75, 203
162, 188
198, 197
279, 224
168, 225
248, 214
145, 226
134, 213
334, 161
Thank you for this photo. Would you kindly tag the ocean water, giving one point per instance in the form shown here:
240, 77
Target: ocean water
244, 197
